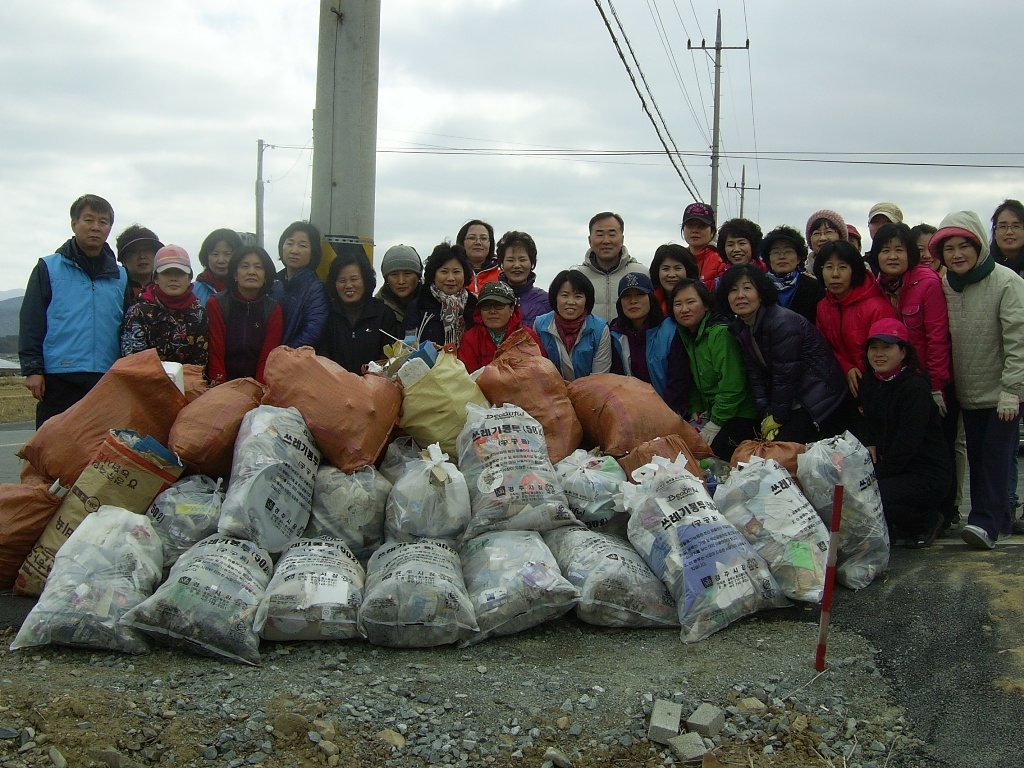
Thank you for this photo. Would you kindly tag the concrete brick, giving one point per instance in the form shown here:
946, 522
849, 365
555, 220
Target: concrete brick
688, 746
664, 721
707, 720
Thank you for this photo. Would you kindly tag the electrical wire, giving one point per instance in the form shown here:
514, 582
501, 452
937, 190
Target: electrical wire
692, 189
666, 43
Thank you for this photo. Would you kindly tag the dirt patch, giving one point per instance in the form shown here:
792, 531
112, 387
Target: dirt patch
16, 402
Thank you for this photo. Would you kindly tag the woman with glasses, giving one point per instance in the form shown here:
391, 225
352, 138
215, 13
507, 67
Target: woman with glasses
785, 252
477, 238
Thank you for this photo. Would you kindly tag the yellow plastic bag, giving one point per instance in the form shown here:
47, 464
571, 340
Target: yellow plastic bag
434, 408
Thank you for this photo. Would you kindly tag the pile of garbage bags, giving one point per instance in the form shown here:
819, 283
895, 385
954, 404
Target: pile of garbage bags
472, 535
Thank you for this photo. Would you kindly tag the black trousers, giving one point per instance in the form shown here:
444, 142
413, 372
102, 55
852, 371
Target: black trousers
61, 392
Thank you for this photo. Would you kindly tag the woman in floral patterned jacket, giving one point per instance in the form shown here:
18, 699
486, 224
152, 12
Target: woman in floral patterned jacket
167, 316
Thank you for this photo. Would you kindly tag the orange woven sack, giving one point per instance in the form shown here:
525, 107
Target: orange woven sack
784, 453
350, 416
669, 447
531, 381
204, 433
618, 413
195, 381
24, 512
134, 394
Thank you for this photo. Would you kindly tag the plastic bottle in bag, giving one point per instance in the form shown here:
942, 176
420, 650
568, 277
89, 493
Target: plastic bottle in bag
186, 513
349, 507
429, 500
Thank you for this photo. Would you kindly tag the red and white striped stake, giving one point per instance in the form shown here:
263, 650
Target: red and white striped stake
830, 578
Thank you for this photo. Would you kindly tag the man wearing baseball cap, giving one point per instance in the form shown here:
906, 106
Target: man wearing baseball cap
882, 214
606, 261
72, 312
496, 317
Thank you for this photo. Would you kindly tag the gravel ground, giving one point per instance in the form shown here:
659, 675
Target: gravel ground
561, 693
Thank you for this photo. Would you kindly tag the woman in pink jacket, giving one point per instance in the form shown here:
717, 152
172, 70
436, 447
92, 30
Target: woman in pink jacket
852, 303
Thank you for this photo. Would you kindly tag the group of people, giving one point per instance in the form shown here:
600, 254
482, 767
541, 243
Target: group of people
787, 336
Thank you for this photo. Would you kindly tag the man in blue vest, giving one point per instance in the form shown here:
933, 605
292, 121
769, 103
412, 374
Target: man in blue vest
72, 311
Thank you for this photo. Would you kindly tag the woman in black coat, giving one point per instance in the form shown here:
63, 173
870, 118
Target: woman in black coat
901, 426
797, 385
359, 326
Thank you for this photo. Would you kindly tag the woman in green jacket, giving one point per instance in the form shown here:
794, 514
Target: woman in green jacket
718, 400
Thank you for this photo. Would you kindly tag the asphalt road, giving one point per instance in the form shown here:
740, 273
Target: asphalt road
948, 622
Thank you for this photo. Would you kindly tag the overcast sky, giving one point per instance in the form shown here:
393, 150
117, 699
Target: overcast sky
158, 108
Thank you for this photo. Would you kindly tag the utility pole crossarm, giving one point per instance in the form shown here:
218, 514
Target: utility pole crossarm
716, 130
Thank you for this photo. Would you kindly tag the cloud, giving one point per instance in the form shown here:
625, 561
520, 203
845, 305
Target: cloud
158, 106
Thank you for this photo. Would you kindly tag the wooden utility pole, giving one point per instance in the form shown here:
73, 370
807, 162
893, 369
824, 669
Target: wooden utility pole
716, 130
260, 146
345, 125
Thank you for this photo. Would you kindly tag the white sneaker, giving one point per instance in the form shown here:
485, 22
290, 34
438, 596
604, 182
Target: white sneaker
976, 538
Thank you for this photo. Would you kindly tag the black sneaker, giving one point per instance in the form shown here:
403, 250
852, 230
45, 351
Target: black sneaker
1018, 527
922, 540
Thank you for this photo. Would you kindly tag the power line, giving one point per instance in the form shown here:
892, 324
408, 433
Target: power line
679, 168
692, 186
666, 43
790, 157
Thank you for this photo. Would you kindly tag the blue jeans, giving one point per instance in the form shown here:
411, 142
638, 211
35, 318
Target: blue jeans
990, 445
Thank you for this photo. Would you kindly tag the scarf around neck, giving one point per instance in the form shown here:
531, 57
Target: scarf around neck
569, 330
452, 314
784, 282
890, 376
217, 283
978, 273
154, 295
891, 287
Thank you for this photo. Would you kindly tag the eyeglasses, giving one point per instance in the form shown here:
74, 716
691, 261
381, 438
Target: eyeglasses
478, 238
784, 252
1015, 227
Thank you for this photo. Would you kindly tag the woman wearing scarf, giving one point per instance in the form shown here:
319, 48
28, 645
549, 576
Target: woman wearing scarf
215, 254
785, 252
985, 301
577, 341
902, 429
167, 316
443, 309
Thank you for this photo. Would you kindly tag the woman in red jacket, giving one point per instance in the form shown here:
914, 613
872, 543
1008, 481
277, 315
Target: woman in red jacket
495, 318
245, 321
852, 303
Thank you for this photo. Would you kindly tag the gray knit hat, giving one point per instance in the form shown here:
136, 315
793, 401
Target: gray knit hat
401, 257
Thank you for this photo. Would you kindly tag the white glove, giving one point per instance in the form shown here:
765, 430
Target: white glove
940, 400
1008, 407
709, 432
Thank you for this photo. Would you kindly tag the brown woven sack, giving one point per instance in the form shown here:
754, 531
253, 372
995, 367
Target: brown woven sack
669, 447
532, 382
204, 433
195, 381
350, 416
134, 394
784, 453
24, 512
618, 413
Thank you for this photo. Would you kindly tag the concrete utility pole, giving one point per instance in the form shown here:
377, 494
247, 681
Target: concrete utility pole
716, 130
742, 188
260, 146
345, 125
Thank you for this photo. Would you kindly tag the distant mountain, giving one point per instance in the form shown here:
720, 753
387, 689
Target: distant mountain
9, 311
12, 293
